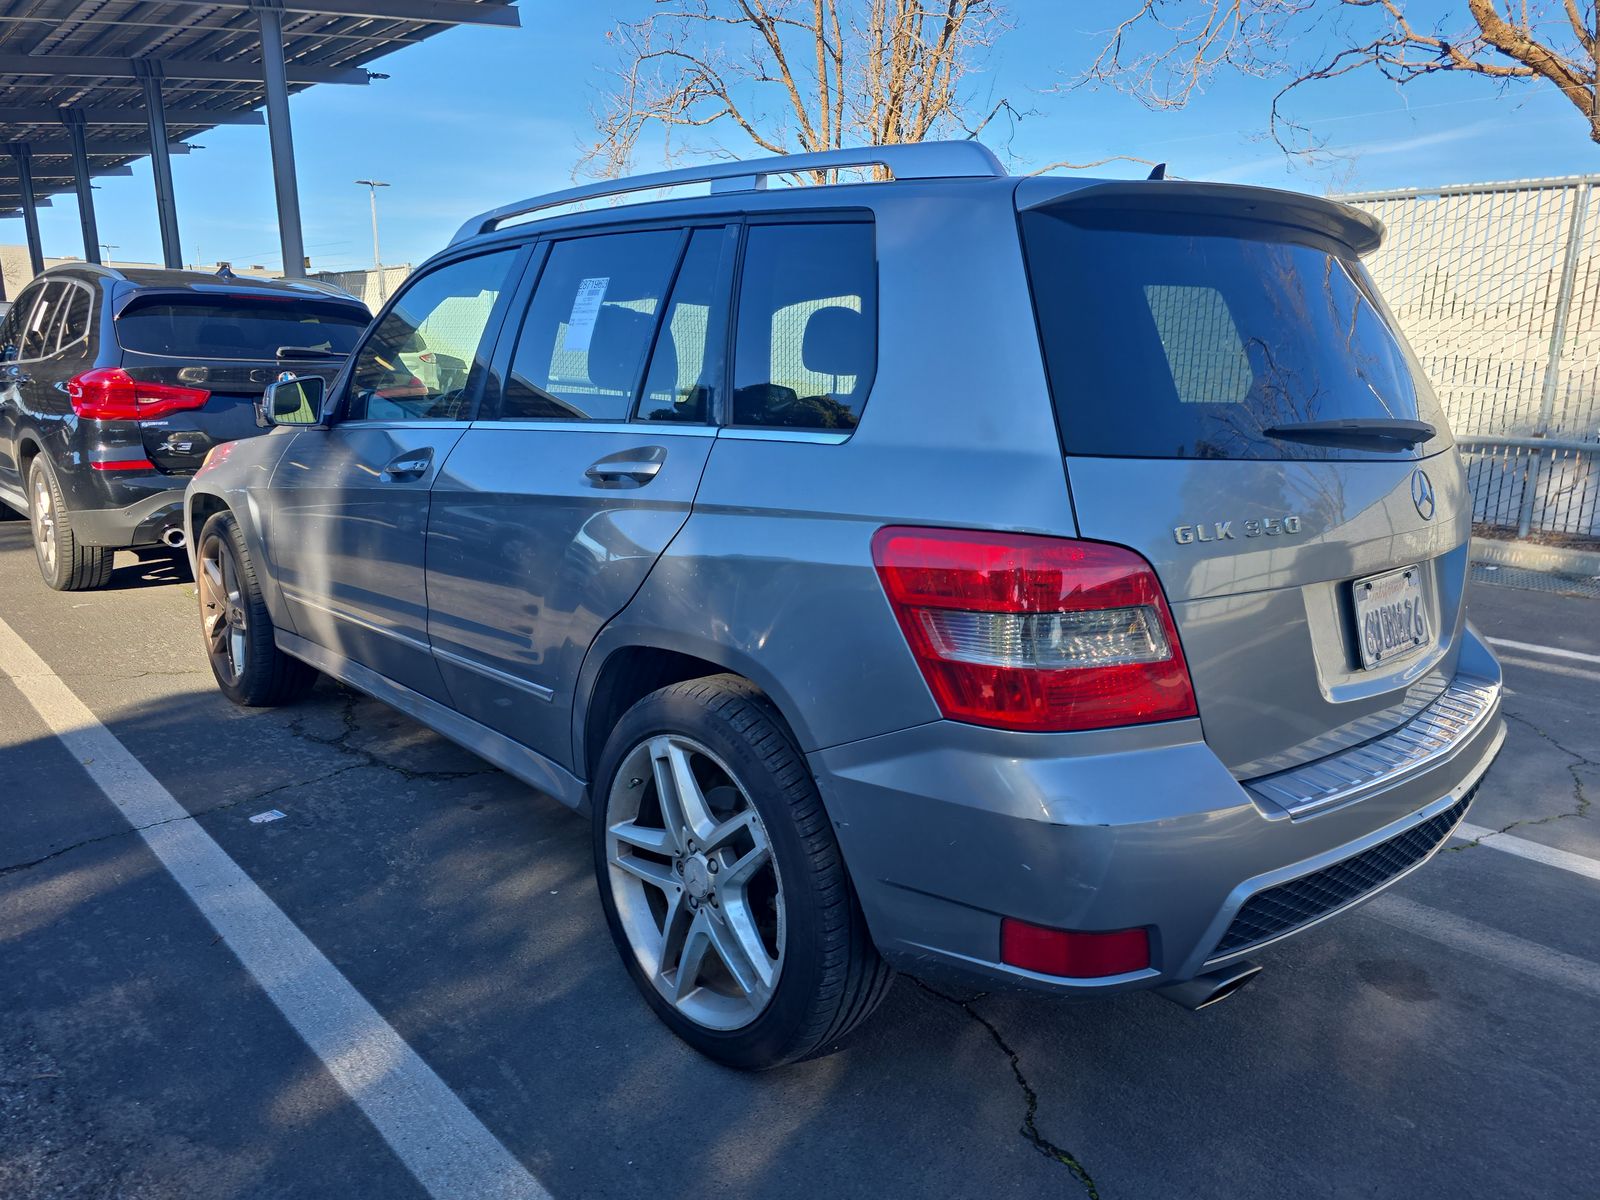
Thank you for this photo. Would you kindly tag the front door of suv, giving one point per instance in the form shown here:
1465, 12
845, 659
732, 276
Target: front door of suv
582, 468
350, 501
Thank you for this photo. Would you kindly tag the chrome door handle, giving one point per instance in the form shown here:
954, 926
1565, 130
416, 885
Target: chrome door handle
623, 471
411, 465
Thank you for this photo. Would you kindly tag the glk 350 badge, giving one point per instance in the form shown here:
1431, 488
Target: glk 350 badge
1223, 531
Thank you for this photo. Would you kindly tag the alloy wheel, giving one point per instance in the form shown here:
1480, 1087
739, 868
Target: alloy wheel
222, 608
695, 882
44, 521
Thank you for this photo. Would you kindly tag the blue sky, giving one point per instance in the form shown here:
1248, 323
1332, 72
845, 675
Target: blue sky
477, 117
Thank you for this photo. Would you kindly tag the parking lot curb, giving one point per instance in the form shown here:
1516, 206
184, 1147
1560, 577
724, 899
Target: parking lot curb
1555, 559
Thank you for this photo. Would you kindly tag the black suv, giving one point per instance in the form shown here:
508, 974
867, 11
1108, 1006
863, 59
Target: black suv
116, 383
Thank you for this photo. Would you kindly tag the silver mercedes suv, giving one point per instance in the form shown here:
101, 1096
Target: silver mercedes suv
1052, 582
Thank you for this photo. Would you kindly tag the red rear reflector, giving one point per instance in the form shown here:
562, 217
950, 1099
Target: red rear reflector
1035, 633
1075, 955
123, 464
111, 394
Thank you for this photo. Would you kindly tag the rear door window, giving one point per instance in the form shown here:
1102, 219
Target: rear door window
580, 354
1163, 342
807, 334
36, 333
237, 327
686, 366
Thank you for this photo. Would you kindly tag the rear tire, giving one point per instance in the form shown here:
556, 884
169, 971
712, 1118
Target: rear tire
736, 873
236, 627
66, 564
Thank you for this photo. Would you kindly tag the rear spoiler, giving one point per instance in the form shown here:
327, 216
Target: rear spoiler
202, 292
1352, 227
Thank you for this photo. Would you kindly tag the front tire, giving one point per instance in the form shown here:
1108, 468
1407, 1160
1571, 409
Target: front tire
65, 563
722, 882
238, 631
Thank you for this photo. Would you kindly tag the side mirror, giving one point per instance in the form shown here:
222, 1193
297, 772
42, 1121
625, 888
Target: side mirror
294, 401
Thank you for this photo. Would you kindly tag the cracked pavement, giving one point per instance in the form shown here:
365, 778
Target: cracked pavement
137, 1059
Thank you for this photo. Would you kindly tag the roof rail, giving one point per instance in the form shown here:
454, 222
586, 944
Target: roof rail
912, 160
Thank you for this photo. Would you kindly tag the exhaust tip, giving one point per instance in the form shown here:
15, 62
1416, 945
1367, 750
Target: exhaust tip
1205, 990
173, 538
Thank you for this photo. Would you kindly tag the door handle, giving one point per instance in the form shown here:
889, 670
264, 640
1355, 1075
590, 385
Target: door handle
413, 464
632, 468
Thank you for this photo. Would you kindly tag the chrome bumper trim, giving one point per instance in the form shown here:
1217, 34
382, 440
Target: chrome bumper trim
1438, 729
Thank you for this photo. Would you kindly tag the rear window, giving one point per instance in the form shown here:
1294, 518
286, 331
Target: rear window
1174, 341
243, 327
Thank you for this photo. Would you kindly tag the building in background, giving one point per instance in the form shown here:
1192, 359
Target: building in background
364, 284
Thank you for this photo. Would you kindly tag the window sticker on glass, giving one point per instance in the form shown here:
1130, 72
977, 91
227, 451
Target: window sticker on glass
580, 325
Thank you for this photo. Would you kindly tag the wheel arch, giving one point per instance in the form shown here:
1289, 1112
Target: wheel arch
625, 665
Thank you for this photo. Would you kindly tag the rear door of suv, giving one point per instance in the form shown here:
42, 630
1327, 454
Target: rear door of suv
580, 470
1236, 403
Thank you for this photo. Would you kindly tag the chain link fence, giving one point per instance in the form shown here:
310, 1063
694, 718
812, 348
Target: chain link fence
1497, 286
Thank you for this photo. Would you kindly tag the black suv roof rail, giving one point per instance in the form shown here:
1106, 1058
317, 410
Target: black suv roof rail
913, 160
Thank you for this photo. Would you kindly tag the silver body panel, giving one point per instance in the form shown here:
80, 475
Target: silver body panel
489, 599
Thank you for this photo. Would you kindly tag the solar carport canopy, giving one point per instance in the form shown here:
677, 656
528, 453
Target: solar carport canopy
88, 87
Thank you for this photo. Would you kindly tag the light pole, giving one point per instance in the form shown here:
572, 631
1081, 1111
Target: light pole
372, 186
106, 248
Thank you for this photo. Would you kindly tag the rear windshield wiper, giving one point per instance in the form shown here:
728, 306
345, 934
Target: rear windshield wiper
307, 352
1374, 433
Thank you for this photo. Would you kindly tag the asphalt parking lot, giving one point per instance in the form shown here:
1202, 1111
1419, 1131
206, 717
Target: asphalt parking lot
1438, 1042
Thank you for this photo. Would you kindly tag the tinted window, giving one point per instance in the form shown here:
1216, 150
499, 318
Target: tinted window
581, 349
1177, 345
418, 362
35, 342
17, 316
74, 322
237, 327
808, 322
682, 380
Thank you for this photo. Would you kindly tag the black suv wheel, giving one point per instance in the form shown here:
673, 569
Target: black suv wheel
66, 564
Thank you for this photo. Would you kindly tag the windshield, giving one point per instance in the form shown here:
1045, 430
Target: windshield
237, 327
1175, 341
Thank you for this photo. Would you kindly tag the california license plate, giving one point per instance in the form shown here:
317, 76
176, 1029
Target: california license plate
1391, 618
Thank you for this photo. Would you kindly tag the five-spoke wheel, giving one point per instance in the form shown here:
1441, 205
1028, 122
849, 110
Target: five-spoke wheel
223, 616
694, 881
721, 881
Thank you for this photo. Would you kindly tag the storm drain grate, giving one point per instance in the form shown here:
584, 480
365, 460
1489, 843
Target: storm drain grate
1587, 586
1288, 906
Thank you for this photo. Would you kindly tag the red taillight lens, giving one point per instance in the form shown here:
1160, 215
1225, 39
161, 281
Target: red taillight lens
111, 394
1035, 633
1072, 954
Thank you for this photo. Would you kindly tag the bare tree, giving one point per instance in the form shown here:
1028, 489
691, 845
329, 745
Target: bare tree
788, 76
1166, 50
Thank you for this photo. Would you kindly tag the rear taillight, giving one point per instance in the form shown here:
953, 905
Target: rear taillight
1035, 633
111, 394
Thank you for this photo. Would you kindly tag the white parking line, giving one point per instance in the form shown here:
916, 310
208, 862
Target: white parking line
1504, 949
434, 1134
1552, 651
1549, 668
1533, 851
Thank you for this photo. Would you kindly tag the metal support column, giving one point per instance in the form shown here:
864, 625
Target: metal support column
270, 19
72, 118
160, 163
23, 155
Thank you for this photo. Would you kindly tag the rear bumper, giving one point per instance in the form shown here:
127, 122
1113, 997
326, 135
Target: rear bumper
946, 828
149, 505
